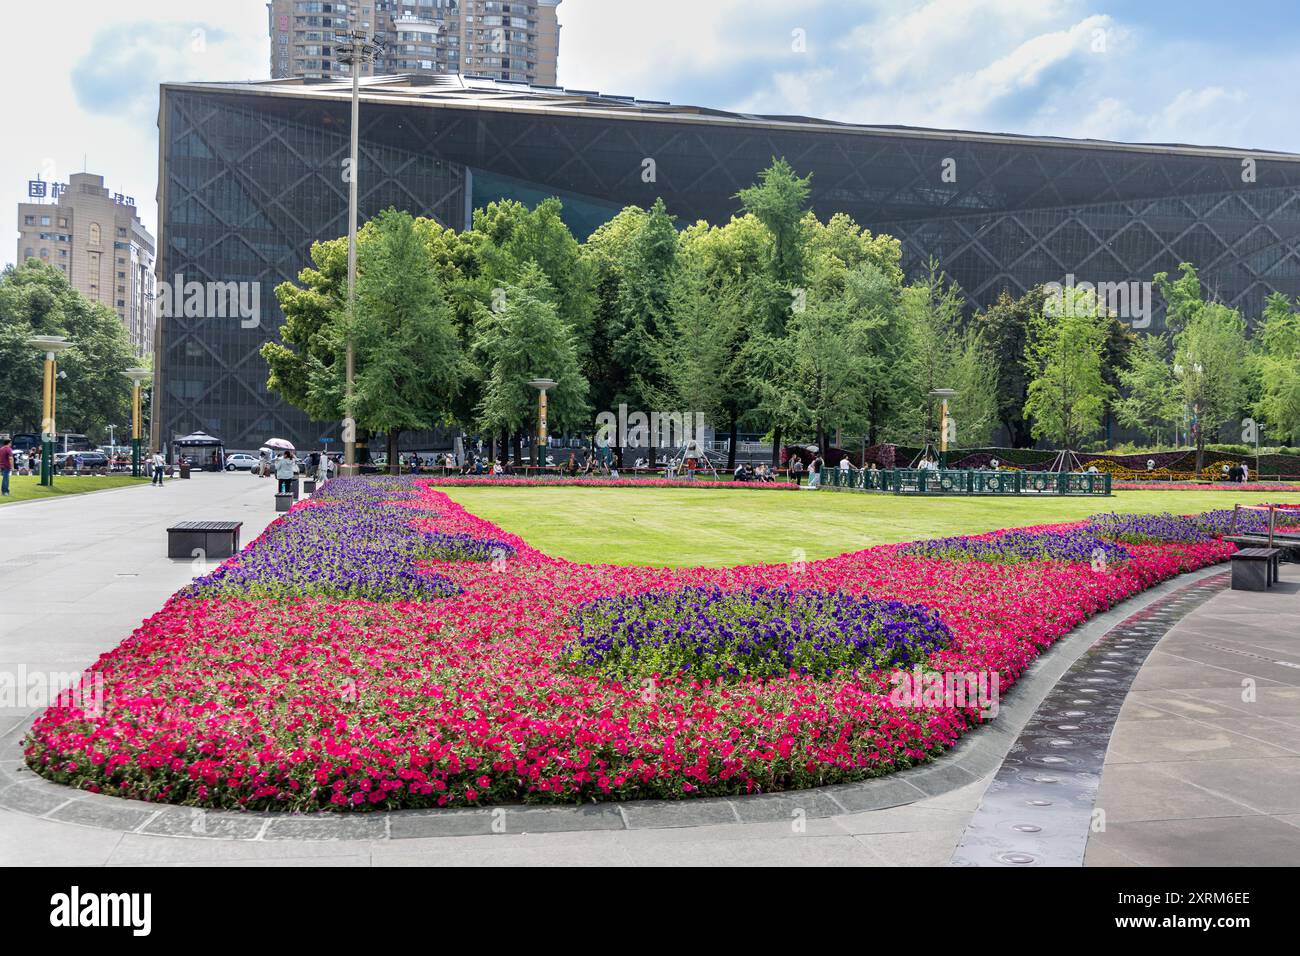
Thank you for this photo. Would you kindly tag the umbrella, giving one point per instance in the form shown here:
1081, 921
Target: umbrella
279, 444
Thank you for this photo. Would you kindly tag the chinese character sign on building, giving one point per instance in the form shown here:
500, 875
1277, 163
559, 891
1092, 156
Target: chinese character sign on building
39, 189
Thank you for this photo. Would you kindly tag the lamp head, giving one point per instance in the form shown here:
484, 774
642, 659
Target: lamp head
543, 383
138, 375
49, 343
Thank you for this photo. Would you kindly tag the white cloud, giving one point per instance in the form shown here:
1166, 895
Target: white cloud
1023, 66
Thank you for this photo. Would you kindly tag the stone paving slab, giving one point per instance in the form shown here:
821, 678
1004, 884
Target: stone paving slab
1204, 765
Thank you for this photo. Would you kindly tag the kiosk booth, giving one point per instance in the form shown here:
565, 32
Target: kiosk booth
201, 451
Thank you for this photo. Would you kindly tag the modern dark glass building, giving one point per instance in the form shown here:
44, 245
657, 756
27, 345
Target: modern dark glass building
251, 173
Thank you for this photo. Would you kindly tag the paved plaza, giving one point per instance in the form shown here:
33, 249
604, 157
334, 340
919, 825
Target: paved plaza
1197, 770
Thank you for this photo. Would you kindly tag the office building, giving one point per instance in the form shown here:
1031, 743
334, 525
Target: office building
96, 238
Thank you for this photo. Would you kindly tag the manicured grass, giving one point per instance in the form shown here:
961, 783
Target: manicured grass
28, 487
683, 527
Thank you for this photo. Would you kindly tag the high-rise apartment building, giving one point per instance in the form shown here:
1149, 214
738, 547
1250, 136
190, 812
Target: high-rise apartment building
513, 40
97, 239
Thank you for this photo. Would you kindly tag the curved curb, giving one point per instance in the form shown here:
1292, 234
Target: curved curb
977, 754
1038, 810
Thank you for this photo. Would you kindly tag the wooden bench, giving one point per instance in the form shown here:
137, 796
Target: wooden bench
216, 539
1255, 569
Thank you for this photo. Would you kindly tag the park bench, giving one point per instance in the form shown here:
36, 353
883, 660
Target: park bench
216, 539
1255, 569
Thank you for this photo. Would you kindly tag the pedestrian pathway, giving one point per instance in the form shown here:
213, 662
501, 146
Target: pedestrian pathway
1203, 766
78, 573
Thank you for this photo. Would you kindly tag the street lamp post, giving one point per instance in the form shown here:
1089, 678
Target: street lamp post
51, 345
137, 377
542, 385
354, 47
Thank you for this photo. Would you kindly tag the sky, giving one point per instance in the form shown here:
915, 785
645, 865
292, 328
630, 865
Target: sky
81, 78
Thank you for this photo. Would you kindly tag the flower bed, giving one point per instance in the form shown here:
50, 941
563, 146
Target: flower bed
706, 632
555, 481
239, 694
1203, 486
1018, 547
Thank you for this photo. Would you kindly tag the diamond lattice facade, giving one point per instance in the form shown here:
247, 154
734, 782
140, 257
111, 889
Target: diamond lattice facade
251, 174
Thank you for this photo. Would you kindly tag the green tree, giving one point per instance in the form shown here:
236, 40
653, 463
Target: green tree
1063, 357
606, 253
521, 340
734, 262
931, 310
37, 299
1149, 401
1210, 356
306, 364
507, 236
1210, 365
641, 340
1278, 369
408, 356
1003, 329
779, 200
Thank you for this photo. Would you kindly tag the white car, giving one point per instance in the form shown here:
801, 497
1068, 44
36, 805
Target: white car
241, 462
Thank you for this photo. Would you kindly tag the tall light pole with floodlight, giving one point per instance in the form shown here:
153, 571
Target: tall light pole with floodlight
354, 47
137, 377
51, 345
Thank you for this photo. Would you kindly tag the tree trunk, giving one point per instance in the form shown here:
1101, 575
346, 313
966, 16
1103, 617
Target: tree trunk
821, 439
505, 446
518, 448
393, 466
776, 446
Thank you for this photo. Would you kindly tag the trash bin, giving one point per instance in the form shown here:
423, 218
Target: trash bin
185, 469
283, 502
309, 487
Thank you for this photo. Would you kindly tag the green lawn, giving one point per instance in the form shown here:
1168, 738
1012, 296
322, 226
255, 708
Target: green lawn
682, 527
28, 487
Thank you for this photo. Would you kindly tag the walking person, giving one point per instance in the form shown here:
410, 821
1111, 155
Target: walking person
6, 464
157, 464
796, 469
284, 472
815, 471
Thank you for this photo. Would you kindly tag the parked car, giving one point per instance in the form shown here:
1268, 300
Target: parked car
90, 460
241, 462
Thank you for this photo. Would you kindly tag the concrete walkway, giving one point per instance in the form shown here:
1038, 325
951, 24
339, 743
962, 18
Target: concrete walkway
1204, 762
79, 573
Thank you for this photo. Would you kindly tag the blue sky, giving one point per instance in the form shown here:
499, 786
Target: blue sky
1190, 71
